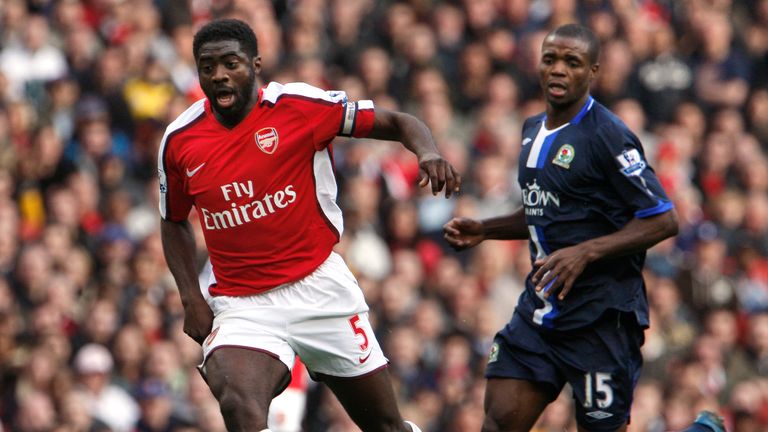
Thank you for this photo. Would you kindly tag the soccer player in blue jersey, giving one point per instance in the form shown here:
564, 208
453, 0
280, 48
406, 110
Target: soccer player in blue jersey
592, 206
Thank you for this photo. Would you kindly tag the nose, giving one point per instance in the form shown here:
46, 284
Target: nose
558, 68
219, 74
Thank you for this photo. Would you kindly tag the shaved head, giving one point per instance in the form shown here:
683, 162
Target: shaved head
577, 31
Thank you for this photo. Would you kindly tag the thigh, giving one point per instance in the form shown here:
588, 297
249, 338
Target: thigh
369, 400
249, 374
522, 378
520, 352
513, 405
249, 327
602, 364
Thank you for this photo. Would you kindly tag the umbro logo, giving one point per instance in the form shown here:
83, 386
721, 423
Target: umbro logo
599, 415
192, 172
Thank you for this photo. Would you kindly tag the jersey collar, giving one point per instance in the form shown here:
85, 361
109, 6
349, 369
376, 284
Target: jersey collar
577, 118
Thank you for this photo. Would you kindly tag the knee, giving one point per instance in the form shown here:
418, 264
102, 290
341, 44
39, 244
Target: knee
397, 426
413, 426
490, 424
241, 412
500, 419
384, 424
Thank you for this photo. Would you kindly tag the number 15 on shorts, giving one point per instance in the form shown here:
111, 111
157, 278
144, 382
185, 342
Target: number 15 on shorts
597, 389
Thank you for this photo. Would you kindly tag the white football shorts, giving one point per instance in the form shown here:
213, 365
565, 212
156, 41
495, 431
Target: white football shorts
323, 318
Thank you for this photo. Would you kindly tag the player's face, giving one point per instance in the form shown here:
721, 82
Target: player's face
565, 70
227, 76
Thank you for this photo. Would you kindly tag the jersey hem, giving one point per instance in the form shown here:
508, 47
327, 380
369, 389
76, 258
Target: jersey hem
243, 291
601, 316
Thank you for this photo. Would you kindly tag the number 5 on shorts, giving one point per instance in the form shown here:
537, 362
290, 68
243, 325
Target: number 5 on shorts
355, 323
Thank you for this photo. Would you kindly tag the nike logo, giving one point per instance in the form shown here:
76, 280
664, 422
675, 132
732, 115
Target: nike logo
364, 359
526, 141
190, 173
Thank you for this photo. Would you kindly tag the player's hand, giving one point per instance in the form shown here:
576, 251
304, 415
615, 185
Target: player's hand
198, 320
463, 233
557, 272
437, 171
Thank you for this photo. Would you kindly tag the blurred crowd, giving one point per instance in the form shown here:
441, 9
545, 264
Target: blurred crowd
90, 320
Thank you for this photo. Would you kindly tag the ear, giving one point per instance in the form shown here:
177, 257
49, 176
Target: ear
593, 71
257, 64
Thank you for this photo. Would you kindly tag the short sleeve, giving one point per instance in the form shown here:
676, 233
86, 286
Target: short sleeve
345, 118
626, 168
328, 113
175, 204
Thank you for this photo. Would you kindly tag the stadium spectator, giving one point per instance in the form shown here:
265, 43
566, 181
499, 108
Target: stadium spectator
721, 69
105, 401
157, 413
32, 61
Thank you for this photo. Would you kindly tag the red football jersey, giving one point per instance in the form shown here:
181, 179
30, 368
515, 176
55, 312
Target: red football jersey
265, 190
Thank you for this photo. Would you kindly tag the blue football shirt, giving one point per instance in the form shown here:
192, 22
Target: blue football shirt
586, 179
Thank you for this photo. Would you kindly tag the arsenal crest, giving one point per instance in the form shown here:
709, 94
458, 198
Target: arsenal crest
266, 139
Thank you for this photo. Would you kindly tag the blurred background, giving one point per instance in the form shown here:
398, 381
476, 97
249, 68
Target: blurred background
90, 319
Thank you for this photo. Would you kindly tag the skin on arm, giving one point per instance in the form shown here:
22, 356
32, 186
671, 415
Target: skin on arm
416, 137
563, 266
179, 249
463, 233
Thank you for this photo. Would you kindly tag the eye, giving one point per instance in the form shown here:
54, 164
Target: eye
231, 64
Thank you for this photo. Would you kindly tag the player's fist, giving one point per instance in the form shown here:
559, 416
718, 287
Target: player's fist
198, 320
463, 233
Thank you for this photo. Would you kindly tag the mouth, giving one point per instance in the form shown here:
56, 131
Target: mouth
225, 97
556, 89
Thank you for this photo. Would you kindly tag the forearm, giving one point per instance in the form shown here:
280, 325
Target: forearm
180, 255
405, 128
508, 227
638, 235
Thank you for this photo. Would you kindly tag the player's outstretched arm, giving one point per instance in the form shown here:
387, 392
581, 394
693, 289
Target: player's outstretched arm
416, 137
179, 249
462, 233
563, 266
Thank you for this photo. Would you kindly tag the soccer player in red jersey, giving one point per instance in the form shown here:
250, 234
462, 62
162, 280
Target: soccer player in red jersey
257, 165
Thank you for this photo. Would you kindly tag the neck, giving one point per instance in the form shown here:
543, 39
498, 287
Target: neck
231, 121
558, 115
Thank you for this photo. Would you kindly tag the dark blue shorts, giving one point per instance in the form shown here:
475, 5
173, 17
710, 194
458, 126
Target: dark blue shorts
601, 362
